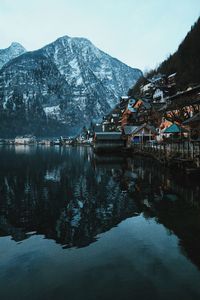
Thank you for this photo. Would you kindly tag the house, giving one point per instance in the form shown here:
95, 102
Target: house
139, 134
25, 140
106, 126
161, 129
194, 125
146, 90
158, 96
182, 106
112, 121
144, 108
159, 80
129, 112
159, 87
108, 141
171, 80
137, 112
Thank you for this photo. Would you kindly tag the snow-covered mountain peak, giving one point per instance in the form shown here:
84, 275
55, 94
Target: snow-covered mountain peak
69, 81
16, 45
14, 50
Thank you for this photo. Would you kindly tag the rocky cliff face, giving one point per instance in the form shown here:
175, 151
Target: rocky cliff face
60, 88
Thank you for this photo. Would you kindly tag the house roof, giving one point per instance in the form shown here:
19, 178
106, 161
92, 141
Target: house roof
174, 128
134, 129
108, 135
129, 129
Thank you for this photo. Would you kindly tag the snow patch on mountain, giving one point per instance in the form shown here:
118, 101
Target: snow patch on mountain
52, 111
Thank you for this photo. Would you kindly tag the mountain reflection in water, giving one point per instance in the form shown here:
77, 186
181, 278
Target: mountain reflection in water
71, 196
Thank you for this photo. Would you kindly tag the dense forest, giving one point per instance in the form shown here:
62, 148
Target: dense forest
185, 62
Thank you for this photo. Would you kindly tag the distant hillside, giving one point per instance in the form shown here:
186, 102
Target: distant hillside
185, 62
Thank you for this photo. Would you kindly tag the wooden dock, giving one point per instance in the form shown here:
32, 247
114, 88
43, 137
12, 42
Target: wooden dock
184, 156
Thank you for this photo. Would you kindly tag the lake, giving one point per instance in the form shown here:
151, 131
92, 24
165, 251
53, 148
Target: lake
74, 225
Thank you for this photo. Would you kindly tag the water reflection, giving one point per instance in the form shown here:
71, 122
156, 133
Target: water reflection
70, 195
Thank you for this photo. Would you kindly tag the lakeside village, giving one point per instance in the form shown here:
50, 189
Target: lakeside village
160, 122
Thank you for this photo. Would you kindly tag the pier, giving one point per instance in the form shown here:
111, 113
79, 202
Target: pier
185, 156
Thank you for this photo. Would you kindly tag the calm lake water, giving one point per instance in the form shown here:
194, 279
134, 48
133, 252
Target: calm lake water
81, 227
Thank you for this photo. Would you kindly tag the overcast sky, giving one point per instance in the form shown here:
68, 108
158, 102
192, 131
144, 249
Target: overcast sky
140, 33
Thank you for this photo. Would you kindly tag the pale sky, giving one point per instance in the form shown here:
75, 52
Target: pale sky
141, 33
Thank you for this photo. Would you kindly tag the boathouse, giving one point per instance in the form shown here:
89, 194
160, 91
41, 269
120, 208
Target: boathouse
108, 141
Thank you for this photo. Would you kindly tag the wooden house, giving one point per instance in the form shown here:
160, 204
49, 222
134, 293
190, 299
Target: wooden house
139, 134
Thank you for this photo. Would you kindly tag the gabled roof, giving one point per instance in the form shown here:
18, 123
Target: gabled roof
129, 129
134, 129
174, 128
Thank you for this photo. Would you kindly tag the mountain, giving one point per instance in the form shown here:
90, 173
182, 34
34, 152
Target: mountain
185, 62
60, 88
11, 52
